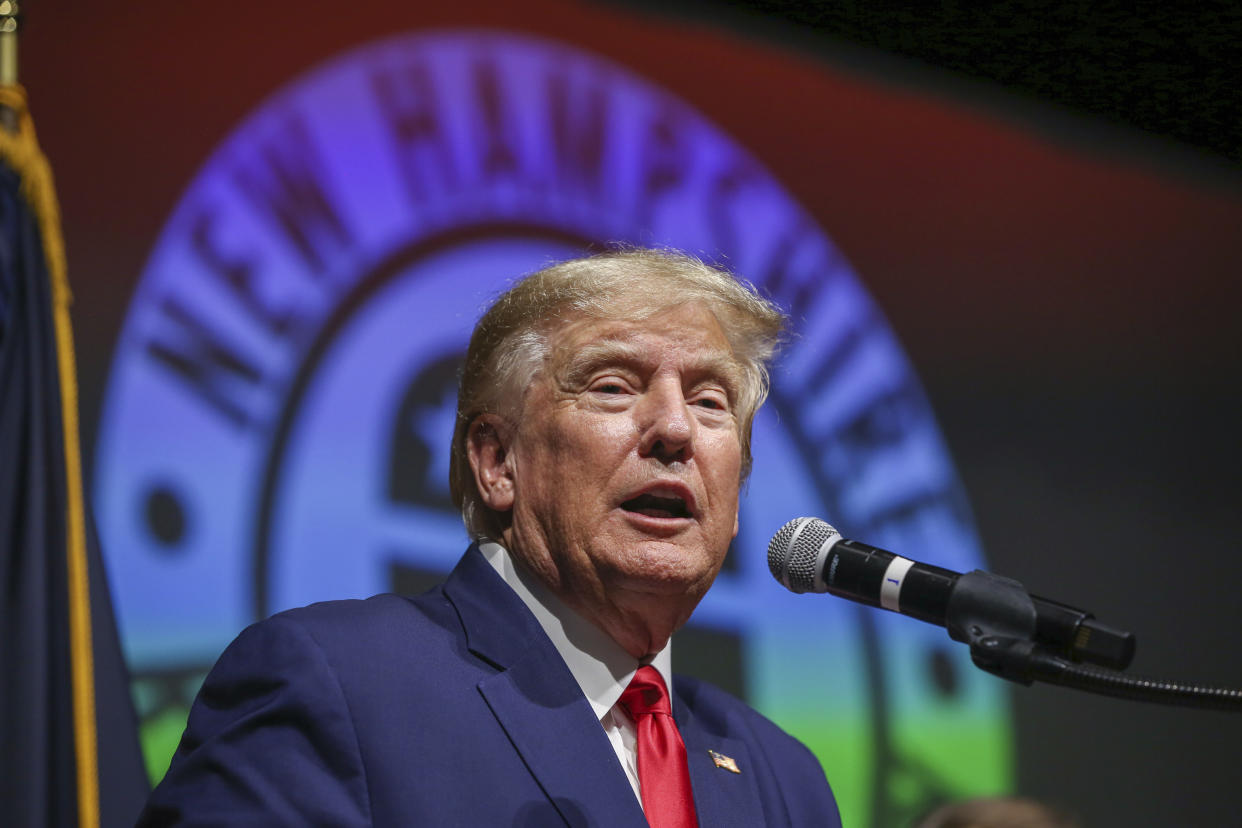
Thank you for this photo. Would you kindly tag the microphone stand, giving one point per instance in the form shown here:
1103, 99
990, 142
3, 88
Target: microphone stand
996, 617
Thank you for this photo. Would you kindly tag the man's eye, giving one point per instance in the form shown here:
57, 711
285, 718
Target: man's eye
609, 388
710, 403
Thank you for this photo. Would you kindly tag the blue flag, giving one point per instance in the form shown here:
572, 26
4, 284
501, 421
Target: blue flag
69, 753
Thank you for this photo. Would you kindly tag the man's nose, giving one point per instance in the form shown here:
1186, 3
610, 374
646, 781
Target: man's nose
666, 424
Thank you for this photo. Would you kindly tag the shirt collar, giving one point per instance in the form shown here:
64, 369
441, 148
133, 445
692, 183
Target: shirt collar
600, 666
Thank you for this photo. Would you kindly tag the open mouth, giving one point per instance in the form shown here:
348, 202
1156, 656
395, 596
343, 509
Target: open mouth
658, 506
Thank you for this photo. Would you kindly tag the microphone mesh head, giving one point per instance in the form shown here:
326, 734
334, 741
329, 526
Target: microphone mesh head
779, 548
793, 553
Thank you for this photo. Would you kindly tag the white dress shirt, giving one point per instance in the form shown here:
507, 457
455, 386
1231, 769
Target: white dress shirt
600, 666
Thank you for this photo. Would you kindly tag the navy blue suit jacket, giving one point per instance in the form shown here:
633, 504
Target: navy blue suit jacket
449, 708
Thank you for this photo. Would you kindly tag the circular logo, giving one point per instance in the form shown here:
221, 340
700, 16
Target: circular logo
279, 414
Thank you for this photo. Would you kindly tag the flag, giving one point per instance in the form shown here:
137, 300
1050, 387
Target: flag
69, 753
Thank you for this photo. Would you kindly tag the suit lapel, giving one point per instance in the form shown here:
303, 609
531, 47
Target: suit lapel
536, 700
721, 797
560, 740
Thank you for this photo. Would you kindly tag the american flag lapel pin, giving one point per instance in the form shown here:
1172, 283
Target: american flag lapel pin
725, 762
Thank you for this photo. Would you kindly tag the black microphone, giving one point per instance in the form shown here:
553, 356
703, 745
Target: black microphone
808, 555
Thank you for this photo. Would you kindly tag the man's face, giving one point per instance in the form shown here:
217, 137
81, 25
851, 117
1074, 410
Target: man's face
626, 463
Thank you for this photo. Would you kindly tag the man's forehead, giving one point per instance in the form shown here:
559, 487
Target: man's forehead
691, 320
697, 339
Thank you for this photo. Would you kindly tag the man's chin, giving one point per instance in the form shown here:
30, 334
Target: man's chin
665, 566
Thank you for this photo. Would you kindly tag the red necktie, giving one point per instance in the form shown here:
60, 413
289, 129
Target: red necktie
663, 775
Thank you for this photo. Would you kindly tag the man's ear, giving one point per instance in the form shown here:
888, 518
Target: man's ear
487, 445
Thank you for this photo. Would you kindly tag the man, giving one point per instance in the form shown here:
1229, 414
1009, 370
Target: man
602, 438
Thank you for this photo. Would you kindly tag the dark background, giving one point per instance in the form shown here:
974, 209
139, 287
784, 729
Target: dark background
1046, 203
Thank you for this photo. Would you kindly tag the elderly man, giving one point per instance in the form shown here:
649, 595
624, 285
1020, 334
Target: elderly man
602, 437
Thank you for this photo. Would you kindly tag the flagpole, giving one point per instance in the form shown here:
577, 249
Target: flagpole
9, 12
9, 15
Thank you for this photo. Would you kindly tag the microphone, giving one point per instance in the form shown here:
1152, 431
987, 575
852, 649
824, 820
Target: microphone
808, 555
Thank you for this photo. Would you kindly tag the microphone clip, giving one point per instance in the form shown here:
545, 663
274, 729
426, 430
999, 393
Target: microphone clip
997, 618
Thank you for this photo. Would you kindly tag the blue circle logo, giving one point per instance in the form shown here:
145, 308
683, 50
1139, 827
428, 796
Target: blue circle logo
279, 413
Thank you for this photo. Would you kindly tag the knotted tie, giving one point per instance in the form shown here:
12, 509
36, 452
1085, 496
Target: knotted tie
663, 775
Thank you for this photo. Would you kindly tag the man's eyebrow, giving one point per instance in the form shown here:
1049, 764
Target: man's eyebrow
601, 353
595, 355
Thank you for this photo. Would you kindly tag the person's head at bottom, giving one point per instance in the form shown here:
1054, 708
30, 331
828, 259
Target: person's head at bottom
997, 812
